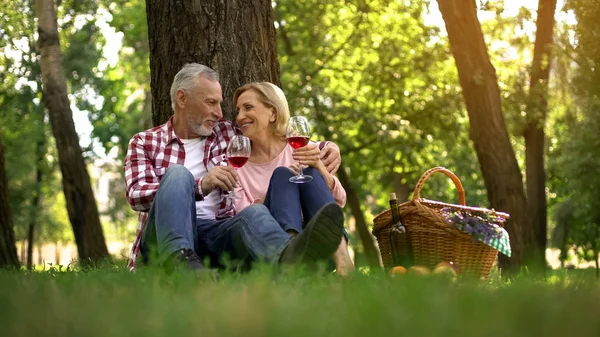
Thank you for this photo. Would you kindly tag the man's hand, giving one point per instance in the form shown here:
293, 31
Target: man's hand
223, 177
307, 155
331, 157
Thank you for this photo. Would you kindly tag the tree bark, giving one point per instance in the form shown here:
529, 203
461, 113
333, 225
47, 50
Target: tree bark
30, 241
503, 179
402, 189
8, 248
537, 110
81, 204
35, 204
234, 37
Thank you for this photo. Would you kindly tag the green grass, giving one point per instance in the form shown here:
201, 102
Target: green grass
112, 302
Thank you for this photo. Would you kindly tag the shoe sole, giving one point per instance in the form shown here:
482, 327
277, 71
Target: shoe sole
322, 235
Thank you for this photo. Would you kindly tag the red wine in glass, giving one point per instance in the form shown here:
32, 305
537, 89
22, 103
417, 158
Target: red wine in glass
238, 152
298, 142
237, 161
298, 134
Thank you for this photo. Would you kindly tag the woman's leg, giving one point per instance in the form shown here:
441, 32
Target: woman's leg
283, 200
314, 194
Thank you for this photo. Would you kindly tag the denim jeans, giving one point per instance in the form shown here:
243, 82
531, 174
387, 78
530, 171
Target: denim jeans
293, 205
172, 225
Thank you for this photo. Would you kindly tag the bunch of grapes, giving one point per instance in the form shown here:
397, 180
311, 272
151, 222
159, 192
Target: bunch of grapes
483, 227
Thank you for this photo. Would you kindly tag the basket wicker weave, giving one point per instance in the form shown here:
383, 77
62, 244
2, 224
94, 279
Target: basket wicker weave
432, 238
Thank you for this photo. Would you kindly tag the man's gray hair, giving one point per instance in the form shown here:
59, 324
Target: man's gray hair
186, 79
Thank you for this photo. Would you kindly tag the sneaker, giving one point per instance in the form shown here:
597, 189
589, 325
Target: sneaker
319, 239
186, 259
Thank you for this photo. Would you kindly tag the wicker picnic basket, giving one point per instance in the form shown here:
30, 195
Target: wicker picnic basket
431, 237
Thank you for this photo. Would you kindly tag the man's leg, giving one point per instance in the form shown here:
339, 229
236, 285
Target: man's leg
252, 233
172, 217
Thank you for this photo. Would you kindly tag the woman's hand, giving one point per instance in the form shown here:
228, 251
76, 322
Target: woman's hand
308, 155
331, 157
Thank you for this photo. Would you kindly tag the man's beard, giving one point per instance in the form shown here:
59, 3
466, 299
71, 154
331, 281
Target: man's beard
199, 129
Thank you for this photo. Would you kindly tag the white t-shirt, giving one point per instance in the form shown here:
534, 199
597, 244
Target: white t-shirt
206, 208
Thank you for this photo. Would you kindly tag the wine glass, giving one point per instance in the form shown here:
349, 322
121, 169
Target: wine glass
238, 152
298, 135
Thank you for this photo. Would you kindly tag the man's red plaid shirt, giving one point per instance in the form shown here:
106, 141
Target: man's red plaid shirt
149, 155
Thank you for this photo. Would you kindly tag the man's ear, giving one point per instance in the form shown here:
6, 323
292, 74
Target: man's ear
180, 98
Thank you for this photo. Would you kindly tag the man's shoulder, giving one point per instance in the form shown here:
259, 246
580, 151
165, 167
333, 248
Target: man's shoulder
152, 133
225, 128
224, 123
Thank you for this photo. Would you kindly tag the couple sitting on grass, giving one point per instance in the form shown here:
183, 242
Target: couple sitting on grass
175, 179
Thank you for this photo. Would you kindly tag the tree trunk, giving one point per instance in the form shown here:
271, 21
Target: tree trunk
40, 257
534, 132
35, 204
234, 37
57, 247
146, 121
597, 264
402, 189
8, 248
81, 205
361, 224
479, 83
30, 235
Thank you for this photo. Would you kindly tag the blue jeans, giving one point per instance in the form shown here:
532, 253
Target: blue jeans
172, 225
293, 205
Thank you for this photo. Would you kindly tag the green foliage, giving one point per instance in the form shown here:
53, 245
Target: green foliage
30, 150
126, 91
113, 302
380, 82
577, 155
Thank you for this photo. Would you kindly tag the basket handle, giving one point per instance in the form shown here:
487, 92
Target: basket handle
455, 180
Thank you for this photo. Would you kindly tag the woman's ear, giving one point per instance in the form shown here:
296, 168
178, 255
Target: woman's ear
273, 117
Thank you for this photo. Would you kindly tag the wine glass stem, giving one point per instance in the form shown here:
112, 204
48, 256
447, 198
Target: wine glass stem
300, 170
233, 190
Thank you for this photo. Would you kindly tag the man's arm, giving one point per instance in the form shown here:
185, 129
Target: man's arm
330, 156
140, 179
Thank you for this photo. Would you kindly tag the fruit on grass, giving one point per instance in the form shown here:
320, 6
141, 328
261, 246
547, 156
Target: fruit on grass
419, 270
446, 268
398, 270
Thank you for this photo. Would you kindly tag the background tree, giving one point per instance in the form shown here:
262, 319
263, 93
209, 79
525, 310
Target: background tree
81, 205
235, 38
576, 157
501, 173
376, 79
535, 139
8, 250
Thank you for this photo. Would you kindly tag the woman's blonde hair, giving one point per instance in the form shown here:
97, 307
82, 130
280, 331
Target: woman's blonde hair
272, 97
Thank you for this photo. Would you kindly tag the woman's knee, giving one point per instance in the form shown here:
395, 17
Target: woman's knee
283, 172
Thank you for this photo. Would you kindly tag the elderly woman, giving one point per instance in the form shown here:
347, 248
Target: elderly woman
263, 115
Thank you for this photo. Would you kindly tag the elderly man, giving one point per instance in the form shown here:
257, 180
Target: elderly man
175, 180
